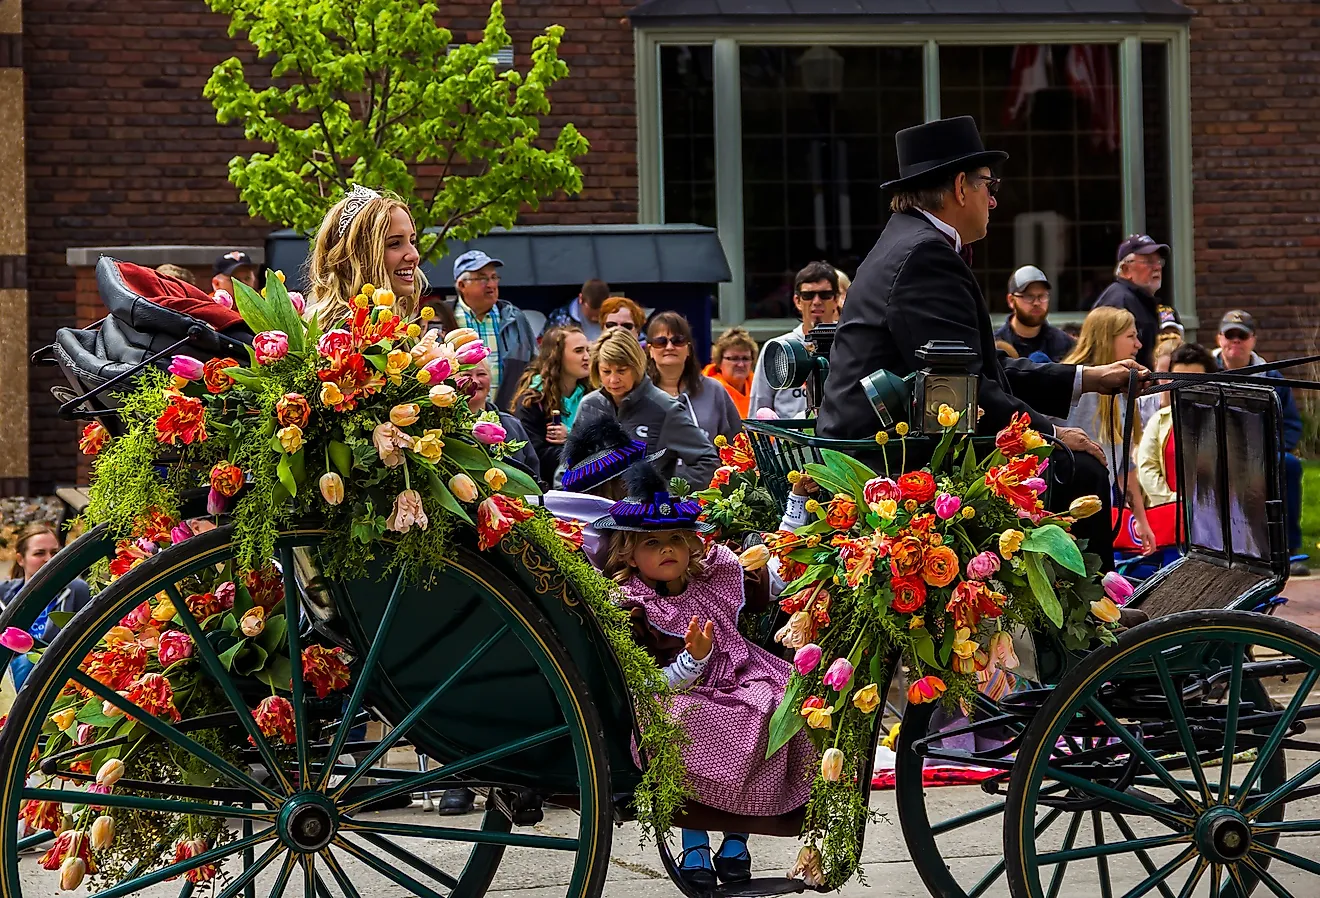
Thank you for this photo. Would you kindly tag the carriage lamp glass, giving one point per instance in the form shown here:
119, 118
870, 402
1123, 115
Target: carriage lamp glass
946, 380
790, 362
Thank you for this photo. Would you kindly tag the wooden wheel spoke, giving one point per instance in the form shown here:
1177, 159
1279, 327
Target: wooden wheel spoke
1157, 877
410, 859
310, 879
1276, 736
341, 879
298, 688
251, 870
1295, 860
282, 879
1134, 745
1056, 881
384, 869
1284, 790
1143, 858
1179, 713
1264, 876
1131, 802
1194, 879
178, 868
1109, 849
1101, 861
142, 803
455, 834
1231, 725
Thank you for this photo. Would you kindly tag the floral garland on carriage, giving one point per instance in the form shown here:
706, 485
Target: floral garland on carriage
364, 426
937, 566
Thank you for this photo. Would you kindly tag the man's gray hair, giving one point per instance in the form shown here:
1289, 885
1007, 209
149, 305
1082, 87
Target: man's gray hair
1124, 263
930, 197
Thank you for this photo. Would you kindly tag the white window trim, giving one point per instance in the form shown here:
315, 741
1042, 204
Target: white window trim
726, 43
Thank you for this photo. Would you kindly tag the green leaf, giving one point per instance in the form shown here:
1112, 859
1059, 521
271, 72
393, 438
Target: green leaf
285, 472
1054, 541
251, 661
969, 459
60, 618
242, 602
298, 465
946, 439
1043, 588
272, 637
446, 499
227, 657
278, 674
281, 311
467, 456
848, 467
946, 647
341, 456
787, 719
244, 376
519, 483
924, 646
253, 308
828, 479
812, 575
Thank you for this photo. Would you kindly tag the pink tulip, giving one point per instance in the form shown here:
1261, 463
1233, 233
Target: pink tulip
179, 532
1036, 484
946, 506
765, 413
488, 432
299, 304
807, 658
175, 645
223, 298
225, 593
878, 489
1117, 587
270, 346
215, 503
187, 367
838, 675
334, 342
983, 566
472, 353
16, 640
440, 369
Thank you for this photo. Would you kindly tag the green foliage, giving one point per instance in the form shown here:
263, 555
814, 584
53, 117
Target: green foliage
124, 475
369, 92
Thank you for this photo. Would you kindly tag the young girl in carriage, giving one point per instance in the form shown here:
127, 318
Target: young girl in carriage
684, 599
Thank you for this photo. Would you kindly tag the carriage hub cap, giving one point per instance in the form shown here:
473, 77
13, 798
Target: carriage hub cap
308, 822
1223, 835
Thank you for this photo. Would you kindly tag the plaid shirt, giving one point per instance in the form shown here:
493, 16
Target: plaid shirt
489, 331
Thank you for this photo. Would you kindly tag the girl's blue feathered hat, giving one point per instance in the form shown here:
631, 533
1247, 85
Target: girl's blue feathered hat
649, 507
598, 451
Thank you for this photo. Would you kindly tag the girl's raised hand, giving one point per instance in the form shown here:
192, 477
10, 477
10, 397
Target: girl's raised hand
699, 640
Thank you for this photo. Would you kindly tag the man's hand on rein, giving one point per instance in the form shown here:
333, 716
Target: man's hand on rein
1112, 378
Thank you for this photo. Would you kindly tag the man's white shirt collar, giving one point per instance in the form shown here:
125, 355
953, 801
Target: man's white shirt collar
945, 227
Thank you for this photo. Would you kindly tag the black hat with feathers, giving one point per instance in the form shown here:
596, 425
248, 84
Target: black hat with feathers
649, 507
597, 451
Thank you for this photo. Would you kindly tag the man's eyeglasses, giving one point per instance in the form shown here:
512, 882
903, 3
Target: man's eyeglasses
1154, 260
822, 295
1035, 299
678, 341
484, 279
992, 184
626, 325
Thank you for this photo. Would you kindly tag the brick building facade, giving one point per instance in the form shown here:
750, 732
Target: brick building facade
121, 148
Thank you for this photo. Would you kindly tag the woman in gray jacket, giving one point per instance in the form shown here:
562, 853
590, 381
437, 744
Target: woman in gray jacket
646, 413
673, 368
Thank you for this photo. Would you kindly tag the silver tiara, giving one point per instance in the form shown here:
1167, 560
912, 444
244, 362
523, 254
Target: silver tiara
354, 203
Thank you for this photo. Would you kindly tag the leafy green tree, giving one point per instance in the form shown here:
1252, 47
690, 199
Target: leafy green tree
374, 92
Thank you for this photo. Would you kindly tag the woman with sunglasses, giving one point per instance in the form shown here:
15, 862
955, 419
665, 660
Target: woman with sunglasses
620, 311
672, 366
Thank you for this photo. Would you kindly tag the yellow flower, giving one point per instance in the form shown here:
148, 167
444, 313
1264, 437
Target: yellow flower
886, 508
383, 298
948, 417
963, 644
414, 330
812, 506
332, 488
495, 478
1009, 542
163, 611
291, 438
367, 290
867, 699
721, 441
330, 394
910, 506
1032, 439
754, 558
253, 622
429, 445
385, 316
937, 539
116, 635
820, 718
463, 487
361, 301
794, 476
280, 275
405, 414
1085, 506
423, 376
103, 832
831, 765
901, 428
882, 437
443, 396
968, 512
72, 870
917, 622
427, 313
64, 719
397, 362
110, 772
1105, 609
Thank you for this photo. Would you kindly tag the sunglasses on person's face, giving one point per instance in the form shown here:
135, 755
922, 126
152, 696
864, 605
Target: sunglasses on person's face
822, 295
992, 184
626, 325
678, 341
737, 359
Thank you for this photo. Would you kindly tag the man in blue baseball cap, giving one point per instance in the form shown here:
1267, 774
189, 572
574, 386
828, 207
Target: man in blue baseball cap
1137, 278
503, 327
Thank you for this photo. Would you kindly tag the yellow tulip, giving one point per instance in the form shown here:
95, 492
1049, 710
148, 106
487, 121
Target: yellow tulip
1009, 542
1085, 506
886, 508
280, 275
330, 394
103, 832
754, 558
397, 362
443, 395
72, 871
463, 487
291, 438
831, 765
253, 622
819, 718
867, 699
429, 445
383, 298
404, 414
332, 488
948, 417
164, 611
460, 337
64, 719
1105, 610
495, 478
116, 635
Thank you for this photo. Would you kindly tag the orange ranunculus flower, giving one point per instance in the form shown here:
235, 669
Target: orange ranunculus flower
1018, 437
226, 478
94, 438
927, 689
154, 524
213, 375
154, 695
293, 410
1007, 482
738, 454
325, 669
917, 485
905, 556
939, 566
183, 421
841, 513
909, 594
274, 717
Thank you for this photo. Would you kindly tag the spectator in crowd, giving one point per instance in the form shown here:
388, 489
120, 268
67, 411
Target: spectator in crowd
1027, 326
1110, 335
583, 312
479, 401
233, 266
1071, 328
1148, 406
36, 545
646, 413
673, 367
731, 364
502, 325
177, 272
620, 311
844, 283
1155, 452
1170, 325
1137, 278
1007, 349
816, 298
1237, 349
549, 393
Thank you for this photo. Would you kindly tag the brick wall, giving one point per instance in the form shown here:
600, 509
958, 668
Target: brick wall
123, 149
1255, 71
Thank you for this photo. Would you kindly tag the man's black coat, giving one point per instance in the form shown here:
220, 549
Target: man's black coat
912, 288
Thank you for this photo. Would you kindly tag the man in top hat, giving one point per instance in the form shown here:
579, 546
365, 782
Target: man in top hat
916, 285
1137, 278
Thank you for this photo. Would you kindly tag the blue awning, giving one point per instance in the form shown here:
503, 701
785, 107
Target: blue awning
844, 12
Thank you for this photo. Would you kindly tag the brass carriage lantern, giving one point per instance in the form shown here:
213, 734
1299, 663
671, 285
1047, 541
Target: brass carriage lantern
946, 380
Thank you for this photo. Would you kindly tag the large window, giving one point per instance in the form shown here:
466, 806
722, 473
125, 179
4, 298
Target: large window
687, 103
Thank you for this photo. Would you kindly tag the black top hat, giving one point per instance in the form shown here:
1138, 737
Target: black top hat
939, 148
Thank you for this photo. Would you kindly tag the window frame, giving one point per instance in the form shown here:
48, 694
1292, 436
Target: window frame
726, 45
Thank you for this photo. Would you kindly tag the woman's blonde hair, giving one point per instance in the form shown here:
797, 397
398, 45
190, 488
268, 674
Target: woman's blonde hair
1095, 346
617, 347
618, 564
340, 264
734, 338
1165, 345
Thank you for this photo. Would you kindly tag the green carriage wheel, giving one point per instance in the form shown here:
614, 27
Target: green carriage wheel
1189, 726
300, 818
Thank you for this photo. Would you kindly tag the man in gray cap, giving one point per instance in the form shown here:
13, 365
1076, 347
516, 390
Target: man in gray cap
503, 327
1026, 329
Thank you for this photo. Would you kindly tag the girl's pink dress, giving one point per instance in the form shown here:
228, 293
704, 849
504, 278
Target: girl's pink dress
727, 713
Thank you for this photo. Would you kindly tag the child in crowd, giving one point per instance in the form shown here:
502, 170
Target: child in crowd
685, 600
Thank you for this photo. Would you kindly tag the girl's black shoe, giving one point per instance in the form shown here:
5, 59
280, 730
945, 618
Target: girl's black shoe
698, 878
733, 870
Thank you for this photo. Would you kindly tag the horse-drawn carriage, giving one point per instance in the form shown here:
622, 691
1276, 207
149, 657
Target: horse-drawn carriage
1172, 761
